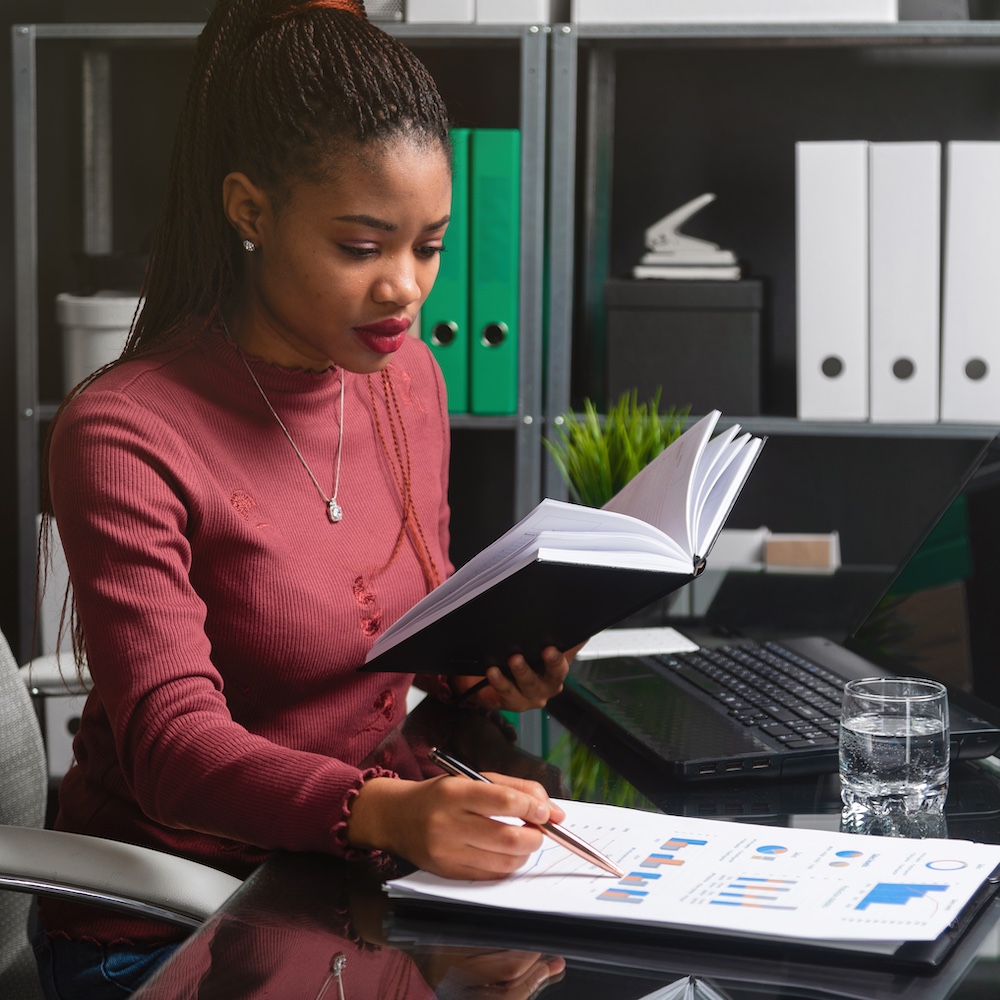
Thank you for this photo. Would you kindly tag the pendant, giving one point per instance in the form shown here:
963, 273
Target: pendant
336, 972
335, 511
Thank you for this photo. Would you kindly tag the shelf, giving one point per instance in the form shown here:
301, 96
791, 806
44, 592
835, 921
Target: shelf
757, 425
785, 426
901, 33
763, 425
142, 31
471, 421
459, 421
151, 31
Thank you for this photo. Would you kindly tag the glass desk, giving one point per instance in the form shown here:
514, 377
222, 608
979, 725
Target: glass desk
311, 927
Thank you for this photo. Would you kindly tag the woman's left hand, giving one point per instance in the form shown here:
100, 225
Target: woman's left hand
525, 688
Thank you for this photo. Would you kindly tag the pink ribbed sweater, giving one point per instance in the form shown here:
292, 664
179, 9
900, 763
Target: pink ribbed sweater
225, 616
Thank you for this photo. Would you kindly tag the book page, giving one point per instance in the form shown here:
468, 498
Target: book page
862, 892
661, 493
688, 988
669, 555
716, 458
610, 558
719, 499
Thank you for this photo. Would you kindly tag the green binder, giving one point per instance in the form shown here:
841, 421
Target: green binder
444, 318
495, 238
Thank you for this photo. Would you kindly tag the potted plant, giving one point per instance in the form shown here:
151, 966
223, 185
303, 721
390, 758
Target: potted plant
598, 457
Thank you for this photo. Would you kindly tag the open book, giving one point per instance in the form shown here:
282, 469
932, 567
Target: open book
566, 571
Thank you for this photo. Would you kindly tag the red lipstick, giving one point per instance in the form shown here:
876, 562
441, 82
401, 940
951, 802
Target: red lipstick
385, 336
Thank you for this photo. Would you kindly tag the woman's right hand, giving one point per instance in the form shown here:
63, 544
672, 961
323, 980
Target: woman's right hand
446, 825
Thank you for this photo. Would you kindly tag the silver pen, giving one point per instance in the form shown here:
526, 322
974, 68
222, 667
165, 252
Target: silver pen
560, 835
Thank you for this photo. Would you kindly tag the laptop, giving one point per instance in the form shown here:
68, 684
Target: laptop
754, 697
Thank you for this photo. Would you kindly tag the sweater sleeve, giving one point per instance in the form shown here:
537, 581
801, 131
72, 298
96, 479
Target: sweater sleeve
160, 729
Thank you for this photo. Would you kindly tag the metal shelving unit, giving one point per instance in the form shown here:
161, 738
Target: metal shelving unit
95, 43
584, 68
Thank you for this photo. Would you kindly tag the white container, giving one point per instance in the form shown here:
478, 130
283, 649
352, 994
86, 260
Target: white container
94, 331
520, 11
440, 11
734, 11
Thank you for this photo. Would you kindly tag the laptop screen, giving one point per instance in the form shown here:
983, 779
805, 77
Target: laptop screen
939, 616
918, 521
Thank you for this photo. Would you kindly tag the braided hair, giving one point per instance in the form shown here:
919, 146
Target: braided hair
278, 89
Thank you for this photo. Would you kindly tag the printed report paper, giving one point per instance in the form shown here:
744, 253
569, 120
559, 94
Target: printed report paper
839, 889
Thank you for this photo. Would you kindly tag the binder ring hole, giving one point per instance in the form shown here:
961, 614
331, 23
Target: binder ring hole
832, 366
494, 334
976, 369
444, 334
903, 368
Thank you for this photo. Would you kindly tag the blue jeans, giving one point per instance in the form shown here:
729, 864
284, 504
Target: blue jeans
82, 970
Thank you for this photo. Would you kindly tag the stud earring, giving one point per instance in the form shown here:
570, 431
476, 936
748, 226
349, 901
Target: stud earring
249, 246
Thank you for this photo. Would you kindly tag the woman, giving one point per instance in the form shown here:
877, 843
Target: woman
257, 488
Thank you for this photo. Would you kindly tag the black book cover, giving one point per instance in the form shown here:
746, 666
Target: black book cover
545, 603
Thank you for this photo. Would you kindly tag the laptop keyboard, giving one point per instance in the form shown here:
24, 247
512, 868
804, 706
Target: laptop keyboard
769, 688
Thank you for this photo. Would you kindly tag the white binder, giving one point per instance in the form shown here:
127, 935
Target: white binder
970, 350
905, 269
832, 280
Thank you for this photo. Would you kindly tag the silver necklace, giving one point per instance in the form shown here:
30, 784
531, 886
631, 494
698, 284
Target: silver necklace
333, 509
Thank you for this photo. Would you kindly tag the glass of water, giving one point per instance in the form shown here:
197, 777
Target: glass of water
894, 750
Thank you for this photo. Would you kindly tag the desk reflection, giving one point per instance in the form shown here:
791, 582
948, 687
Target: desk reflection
306, 927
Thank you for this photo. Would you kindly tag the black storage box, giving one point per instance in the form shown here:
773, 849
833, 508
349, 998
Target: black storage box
698, 340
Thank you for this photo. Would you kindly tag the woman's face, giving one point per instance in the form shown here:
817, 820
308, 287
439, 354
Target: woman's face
342, 266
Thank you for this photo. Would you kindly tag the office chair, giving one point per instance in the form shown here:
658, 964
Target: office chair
37, 861
58, 693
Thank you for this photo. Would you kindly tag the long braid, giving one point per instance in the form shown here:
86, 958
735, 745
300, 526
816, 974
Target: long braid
189, 260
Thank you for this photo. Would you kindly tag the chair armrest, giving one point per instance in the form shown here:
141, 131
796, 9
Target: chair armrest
107, 873
54, 674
